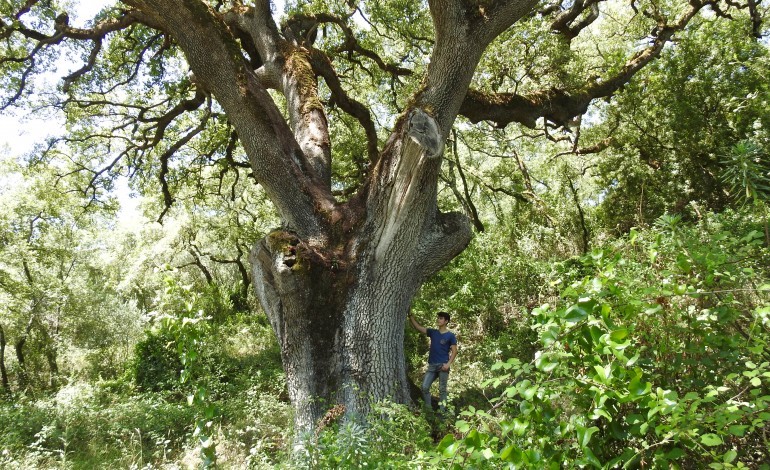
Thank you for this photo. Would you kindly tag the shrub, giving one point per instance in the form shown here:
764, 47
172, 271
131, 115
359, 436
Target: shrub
156, 363
655, 354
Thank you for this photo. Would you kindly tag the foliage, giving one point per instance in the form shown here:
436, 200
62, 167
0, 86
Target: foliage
389, 439
58, 303
182, 319
671, 136
747, 171
86, 425
111, 424
655, 354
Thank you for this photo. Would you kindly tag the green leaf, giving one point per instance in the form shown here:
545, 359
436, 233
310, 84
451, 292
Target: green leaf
544, 363
511, 454
473, 439
675, 453
710, 440
526, 408
633, 235
529, 393
448, 446
520, 426
653, 309
584, 435
602, 373
729, 456
575, 313
596, 334
633, 360
619, 335
591, 458
639, 388
601, 413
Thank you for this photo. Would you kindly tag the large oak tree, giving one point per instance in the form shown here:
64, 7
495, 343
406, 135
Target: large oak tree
342, 112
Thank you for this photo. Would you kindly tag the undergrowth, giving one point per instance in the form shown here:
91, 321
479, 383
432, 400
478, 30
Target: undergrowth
648, 352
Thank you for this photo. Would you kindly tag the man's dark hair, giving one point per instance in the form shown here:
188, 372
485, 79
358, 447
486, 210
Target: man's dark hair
444, 315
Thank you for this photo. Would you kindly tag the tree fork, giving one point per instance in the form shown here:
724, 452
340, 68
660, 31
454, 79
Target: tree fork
338, 305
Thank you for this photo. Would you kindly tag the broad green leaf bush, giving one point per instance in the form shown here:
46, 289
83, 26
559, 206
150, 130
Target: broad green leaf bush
655, 354
181, 318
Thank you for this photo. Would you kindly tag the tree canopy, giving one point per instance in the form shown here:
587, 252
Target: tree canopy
329, 165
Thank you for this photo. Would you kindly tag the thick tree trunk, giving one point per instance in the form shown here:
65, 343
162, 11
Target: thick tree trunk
338, 306
338, 279
341, 328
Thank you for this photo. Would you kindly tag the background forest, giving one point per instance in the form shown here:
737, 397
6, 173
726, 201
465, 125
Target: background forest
613, 308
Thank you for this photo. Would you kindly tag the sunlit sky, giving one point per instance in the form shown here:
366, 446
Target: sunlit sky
21, 132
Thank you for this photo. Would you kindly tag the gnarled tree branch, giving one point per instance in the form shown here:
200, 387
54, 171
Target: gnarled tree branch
287, 67
279, 163
559, 105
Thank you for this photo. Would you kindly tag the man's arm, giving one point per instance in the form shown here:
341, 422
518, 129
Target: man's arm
452, 354
416, 325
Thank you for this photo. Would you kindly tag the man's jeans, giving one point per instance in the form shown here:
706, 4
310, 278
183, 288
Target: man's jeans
434, 372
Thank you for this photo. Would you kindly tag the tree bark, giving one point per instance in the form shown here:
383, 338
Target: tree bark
51, 354
21, 376
586, 238
3, 370
338, 309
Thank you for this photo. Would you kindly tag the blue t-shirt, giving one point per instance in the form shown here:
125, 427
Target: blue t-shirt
439, 345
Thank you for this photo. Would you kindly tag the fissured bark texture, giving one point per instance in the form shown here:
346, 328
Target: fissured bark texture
338, 304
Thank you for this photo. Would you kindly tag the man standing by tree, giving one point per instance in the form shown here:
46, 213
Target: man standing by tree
443, 349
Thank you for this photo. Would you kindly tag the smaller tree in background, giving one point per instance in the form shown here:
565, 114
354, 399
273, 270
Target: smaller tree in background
61, 268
